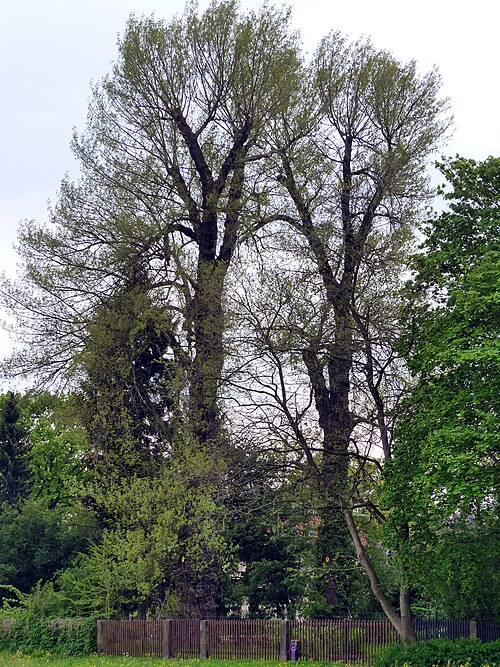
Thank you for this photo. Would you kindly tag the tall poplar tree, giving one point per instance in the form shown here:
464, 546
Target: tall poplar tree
350, 171
170, 174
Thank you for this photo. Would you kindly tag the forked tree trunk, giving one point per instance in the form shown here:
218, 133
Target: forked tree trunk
401, 621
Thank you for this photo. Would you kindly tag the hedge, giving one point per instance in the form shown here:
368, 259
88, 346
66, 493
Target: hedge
442, 652
72, 636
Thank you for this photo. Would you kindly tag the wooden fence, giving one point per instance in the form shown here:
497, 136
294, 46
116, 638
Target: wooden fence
436, 629
342, 639
259, 639
182, 638
136, 638
487, 631
329, 639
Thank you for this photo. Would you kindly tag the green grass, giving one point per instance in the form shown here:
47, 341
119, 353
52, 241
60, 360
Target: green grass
109, 661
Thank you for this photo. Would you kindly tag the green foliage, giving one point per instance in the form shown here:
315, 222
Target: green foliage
57, 444
35, 542
146, 548
34, 626
35, 635
271, 549
48, 459
40, 533
443, 480
128, 387
442, 652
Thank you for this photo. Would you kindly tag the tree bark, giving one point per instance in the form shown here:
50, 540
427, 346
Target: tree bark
208, 327
407, 629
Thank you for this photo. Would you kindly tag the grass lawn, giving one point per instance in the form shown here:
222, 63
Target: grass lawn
109, 661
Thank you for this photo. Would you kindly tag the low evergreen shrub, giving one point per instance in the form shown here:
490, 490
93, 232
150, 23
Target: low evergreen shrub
441, 652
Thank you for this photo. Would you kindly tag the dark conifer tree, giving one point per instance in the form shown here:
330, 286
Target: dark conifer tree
14, 470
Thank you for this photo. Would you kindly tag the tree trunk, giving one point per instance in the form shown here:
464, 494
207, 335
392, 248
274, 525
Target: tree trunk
208, 327
141, 610
332, 404
407, 630
336, 546
401, 622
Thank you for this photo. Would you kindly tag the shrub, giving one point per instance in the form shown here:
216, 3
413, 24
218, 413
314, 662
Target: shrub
74, 636
30, 625
445, 652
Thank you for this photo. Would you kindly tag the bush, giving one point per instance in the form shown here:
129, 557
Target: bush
74, 636
31, 624
469, 652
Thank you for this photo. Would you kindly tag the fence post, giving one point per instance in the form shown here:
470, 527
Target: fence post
203, 639
165, 639
99, 636
473, 629
284, 640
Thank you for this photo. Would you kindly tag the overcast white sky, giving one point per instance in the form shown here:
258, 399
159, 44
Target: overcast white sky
51, 50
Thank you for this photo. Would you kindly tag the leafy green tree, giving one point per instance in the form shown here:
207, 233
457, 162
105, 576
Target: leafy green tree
382, 119
14, 469
129, 394
36, 542
42, 529
57, 448
273, 546
146, 555
168, 173
443, 480
135, 375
